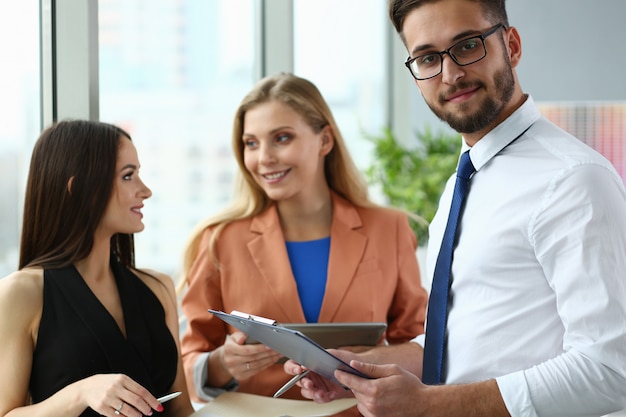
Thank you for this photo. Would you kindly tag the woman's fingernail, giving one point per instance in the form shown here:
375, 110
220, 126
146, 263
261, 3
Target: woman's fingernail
160, 408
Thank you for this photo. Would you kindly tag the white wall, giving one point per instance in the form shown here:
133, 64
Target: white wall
572, 49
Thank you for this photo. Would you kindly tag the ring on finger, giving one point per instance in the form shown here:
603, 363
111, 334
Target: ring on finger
118, 410
248, 366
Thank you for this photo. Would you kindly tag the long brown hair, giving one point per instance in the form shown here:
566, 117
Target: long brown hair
341, 173
69, 185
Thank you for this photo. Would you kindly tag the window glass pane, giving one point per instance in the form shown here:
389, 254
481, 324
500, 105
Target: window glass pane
346, 63
19, 106
172, 73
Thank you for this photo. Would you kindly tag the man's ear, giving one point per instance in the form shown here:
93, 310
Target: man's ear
69, 185
328, 141
514, 46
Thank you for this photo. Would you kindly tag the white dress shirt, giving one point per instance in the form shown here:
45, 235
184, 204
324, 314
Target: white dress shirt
538, 295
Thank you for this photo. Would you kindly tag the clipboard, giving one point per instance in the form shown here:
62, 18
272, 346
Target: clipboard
291, 343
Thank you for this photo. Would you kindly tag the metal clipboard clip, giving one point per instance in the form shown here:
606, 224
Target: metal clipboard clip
253, 317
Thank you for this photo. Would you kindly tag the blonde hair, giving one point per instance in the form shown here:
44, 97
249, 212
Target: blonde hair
341, 173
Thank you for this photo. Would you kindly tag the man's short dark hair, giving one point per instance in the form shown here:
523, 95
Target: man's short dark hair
494, 11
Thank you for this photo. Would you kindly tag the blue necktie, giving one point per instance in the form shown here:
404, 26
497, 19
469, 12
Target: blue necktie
438, 301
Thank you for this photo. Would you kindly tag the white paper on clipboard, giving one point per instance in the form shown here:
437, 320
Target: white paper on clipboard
293, 344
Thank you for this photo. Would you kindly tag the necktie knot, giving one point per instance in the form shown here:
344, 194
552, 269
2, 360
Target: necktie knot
466, 168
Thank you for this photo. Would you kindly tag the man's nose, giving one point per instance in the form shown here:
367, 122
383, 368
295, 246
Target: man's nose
450, 70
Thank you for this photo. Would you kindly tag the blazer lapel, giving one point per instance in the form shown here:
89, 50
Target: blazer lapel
269, 253
347, 246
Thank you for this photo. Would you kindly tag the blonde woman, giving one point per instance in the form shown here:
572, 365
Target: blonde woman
301, 243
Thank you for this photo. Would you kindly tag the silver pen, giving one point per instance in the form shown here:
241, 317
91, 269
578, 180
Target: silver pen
168, 397
291, 383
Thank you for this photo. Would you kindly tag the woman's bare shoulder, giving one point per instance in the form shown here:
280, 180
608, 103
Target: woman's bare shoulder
23, 282
162, 286
160, 283
21, 293
148, 276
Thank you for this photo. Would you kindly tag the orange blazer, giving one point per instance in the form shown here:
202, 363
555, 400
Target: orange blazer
373, 275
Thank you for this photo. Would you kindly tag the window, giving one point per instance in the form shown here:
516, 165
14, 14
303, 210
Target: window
332, 57
19, 106
172, 73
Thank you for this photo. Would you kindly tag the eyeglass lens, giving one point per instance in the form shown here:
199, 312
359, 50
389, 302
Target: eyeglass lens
465, 52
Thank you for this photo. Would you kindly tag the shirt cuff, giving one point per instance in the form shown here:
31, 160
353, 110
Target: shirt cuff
516, 395
201, 375
419, 339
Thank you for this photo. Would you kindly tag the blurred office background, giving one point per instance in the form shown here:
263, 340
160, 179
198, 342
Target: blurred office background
172, 73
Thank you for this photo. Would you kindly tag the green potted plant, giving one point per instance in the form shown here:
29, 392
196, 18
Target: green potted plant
412, 178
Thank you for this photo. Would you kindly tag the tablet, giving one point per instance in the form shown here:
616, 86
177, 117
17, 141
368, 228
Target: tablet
335, 335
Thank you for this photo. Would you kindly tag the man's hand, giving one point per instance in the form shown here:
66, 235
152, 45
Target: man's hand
391, 391
316, 387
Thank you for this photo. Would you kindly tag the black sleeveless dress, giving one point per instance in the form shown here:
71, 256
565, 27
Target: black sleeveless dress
78, 337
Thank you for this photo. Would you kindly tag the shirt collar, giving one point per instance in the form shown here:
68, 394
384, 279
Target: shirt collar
503, 134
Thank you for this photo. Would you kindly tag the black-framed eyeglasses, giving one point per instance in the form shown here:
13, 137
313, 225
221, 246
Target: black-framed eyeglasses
465, 52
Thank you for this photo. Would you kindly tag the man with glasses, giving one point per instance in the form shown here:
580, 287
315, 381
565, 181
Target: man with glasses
535, 320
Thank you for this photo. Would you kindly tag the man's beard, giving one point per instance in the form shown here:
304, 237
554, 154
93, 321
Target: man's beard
489, 109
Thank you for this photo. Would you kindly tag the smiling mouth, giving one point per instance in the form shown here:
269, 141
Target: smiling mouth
461, 95
462, 92
274, 175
